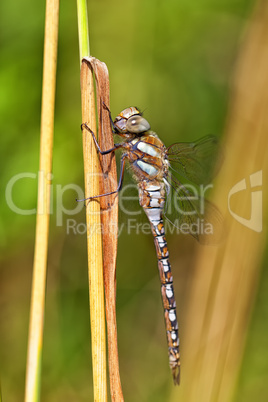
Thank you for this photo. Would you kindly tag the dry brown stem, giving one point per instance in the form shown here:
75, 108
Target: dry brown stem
109, 220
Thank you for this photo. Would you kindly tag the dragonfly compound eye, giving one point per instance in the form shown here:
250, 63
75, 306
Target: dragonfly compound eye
137, 124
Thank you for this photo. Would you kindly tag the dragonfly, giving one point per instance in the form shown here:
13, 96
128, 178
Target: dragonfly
163, 176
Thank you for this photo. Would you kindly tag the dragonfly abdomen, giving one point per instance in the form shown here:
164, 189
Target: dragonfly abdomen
152, 198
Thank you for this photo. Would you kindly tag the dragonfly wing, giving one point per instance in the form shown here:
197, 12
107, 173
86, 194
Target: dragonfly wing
197, 161
193, 214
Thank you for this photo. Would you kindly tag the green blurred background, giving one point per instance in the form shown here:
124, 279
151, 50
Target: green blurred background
173, 59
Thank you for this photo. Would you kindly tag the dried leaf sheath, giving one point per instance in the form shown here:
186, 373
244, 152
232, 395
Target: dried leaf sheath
94, 240
109, 220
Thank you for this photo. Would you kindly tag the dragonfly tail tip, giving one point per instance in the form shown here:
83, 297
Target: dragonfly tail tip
176, 375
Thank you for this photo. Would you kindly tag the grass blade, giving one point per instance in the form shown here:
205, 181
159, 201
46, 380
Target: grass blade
35, 341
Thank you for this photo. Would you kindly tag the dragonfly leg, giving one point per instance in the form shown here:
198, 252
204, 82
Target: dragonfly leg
115, 131
116, 146
122, 169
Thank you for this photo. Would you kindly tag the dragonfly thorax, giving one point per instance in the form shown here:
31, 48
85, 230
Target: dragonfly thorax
130, 122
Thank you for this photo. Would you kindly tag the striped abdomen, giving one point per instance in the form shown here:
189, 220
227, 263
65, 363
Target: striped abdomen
152, 199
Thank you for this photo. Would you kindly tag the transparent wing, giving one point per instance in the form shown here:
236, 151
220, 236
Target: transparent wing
193, 214
197, 161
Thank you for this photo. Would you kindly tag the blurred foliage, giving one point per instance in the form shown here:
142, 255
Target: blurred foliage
174, 60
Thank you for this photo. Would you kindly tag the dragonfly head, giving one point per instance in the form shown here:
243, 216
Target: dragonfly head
130, 121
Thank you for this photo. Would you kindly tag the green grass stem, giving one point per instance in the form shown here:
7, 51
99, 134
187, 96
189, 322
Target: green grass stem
84, 49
